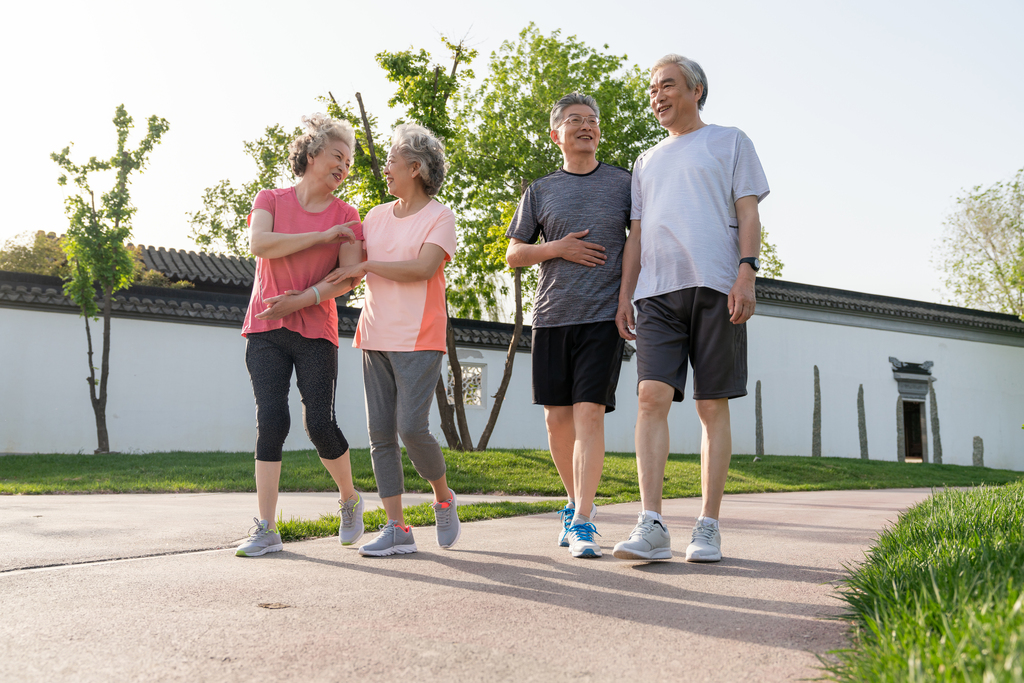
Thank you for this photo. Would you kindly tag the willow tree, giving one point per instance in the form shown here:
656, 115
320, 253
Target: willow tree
95, 244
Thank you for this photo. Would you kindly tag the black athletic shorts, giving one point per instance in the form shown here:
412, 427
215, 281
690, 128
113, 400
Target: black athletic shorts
691, 325
577, 364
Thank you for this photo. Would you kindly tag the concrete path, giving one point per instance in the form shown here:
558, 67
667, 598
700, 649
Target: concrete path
505, 604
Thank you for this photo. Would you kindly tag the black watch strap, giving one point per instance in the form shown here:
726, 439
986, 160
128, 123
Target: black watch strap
754, 262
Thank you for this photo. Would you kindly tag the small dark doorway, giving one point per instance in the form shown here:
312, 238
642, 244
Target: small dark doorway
912, 420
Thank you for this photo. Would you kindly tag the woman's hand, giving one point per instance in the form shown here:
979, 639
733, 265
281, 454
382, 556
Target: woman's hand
356, 271
282, 305
339, 234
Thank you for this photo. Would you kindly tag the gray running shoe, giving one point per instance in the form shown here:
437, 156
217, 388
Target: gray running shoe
648, 541
351, 528
706, 544
581, 539
566, 514
446, 515
392, 540
261, 541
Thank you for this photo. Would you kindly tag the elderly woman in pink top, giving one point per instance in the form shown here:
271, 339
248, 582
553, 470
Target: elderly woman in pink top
402, 332
299, 235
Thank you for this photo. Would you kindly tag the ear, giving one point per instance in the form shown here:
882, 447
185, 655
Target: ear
554, 136
415, 169
698, 92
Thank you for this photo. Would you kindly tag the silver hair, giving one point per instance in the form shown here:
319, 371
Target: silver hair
416, 143
319, 129
691, 71
566, 102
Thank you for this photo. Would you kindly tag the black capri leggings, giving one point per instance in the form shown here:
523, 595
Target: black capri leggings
270, 356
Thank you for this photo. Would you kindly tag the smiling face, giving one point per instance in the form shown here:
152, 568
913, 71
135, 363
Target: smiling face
401, 176
578, 139
673, 103
331, 165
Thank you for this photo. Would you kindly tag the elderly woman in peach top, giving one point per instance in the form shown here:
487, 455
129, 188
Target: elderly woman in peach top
402, 332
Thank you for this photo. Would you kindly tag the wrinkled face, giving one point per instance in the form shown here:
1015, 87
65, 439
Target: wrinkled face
401, 176
672, 102
332, 164
578, 133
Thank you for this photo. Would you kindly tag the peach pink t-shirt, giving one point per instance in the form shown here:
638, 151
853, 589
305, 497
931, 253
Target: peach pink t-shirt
405, 316
299, 270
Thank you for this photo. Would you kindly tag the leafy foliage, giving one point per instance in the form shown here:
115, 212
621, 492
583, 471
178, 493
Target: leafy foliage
982, 250
41, 254
501, 144
771, 264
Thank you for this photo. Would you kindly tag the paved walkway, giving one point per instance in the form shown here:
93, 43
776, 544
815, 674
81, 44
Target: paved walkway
146, 587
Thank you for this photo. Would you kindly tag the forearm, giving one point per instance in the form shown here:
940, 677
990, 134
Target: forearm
401, 271
275, 245
523, 255
749, 237
630, 263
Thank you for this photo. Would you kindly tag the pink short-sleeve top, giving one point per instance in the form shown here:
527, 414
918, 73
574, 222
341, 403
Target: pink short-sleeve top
405, 316
299, 270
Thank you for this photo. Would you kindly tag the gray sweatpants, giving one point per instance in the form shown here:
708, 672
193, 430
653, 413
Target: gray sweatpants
399, 389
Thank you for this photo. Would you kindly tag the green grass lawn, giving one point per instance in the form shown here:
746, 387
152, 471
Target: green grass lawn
941, 595
494, 471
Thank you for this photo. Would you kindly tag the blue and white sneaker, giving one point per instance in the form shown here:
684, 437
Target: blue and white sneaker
582, 544
566, 514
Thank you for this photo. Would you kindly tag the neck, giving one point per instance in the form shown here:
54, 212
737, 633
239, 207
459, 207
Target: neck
579, 164
310, 194
407, 206
687, 126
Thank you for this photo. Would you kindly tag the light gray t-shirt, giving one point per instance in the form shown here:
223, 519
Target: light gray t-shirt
560, 203
684, 194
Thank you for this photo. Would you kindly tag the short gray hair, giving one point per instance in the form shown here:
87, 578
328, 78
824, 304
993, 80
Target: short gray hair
319, 129
566, 102
416, 143
691, 71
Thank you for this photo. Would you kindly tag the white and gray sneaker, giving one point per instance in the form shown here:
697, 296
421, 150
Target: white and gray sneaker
446, 518
649, 540
262, 540
566, 515
351, 528
581, 540
392, 540
706, 543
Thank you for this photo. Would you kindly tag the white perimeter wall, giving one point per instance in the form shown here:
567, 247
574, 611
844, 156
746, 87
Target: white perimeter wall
185, 387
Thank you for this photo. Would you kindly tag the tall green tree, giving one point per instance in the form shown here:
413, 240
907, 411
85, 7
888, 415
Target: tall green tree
39, 253
982, 251
98, 257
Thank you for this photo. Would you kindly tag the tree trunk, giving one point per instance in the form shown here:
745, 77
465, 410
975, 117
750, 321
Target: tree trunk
510, 358
460, 409
369, 138
99, 404
451, 434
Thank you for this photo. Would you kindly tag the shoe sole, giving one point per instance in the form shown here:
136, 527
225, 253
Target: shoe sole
352, 542
588, 553
663, 554
269, 549
713, 558
393, 550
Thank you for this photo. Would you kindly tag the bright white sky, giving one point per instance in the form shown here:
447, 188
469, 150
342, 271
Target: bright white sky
869, 117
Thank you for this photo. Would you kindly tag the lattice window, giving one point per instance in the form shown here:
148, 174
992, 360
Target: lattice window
473, 387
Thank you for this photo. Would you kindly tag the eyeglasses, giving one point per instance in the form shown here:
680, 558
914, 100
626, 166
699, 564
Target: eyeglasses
576, 121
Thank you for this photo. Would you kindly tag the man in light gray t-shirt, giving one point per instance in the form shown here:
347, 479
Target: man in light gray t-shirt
581, 211
689, 266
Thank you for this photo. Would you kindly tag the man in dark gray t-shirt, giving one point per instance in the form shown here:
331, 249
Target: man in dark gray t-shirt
582, 212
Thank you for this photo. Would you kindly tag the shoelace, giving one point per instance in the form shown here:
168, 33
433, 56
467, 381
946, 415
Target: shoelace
566, 514
347, 508
704, 532
584, 532
443, 513
386, 530
257, 532
642, 527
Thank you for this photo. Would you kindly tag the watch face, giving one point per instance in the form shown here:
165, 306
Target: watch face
757, 264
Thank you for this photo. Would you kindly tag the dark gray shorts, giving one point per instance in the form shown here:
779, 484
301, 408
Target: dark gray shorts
577, 364
691, 325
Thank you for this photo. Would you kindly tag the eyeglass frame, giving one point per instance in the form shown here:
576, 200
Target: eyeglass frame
593, 120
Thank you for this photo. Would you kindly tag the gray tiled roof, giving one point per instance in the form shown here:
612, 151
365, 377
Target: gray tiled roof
795, 293
200, 268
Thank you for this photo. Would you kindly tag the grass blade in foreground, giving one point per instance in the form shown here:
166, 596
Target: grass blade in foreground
940, 596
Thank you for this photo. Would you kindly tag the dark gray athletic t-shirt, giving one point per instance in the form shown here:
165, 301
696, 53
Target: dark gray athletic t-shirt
560, 203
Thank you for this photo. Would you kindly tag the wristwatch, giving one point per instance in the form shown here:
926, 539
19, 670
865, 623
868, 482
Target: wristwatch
754, 262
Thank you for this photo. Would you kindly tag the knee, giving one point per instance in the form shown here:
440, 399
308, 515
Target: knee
412, 431
654, 401
712, 411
